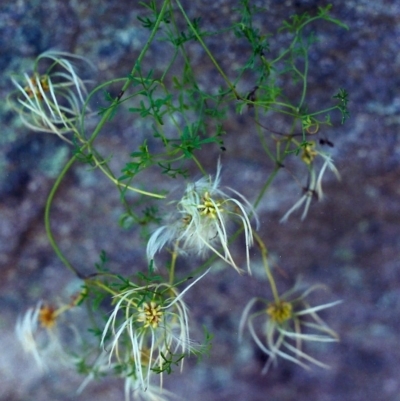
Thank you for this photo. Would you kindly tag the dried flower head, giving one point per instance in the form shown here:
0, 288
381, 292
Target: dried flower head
202, 219
314, 187
148, 330
39, 334
51, 101
285, 325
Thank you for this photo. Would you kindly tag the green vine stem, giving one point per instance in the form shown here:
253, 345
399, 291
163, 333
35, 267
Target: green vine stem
95, 133
198, 37
270, 276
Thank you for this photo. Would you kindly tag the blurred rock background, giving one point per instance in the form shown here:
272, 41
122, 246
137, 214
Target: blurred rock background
350, 241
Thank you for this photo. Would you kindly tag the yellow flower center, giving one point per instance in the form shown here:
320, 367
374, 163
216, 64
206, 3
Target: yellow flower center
209, 207
44, 84
150, 314
47, 317
309, 153
280, 311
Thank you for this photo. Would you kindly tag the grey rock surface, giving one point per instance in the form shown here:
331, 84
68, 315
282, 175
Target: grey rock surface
350, 241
